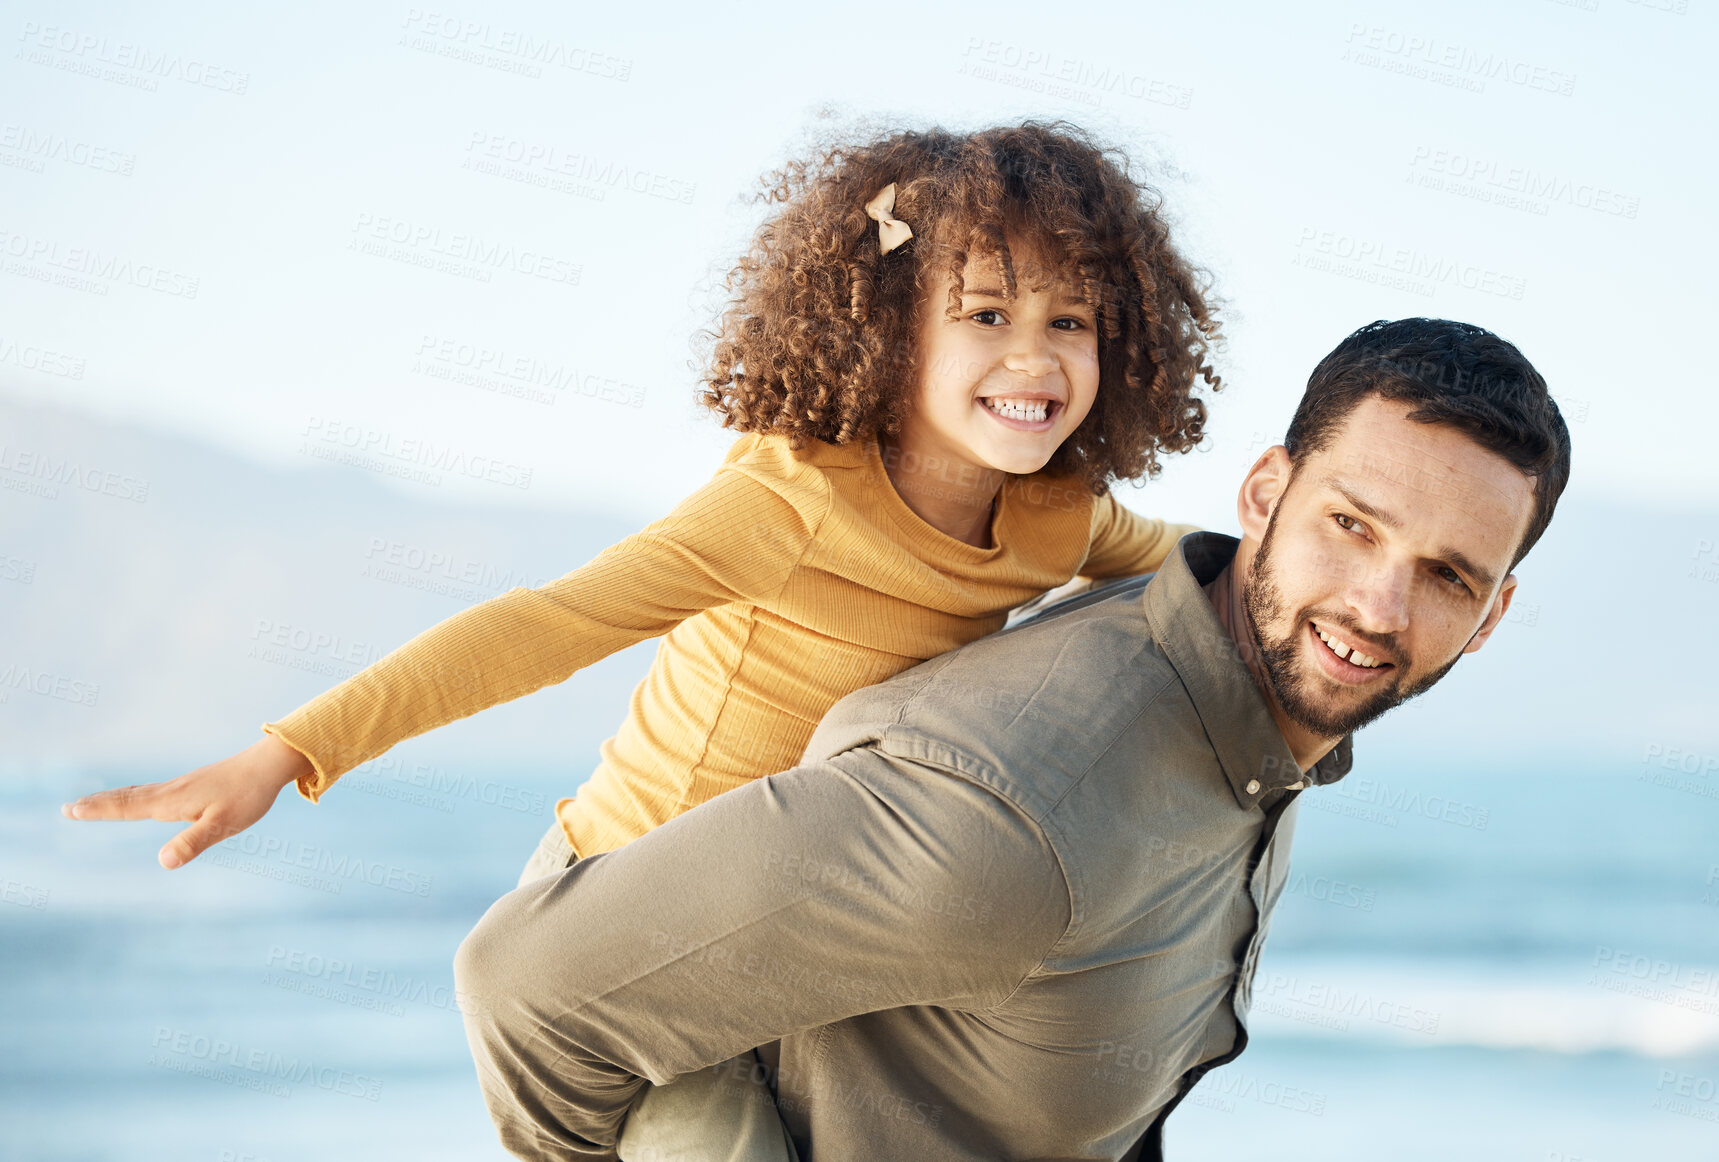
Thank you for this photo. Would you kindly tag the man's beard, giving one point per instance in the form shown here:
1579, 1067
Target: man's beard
1263, 604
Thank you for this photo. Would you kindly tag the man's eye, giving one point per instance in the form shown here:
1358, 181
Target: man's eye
1452, 576
1345, 521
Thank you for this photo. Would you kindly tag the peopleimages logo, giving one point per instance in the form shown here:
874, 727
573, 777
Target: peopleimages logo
495, 368
449, 565
481, 42
1379, 261
552, 161
376, 776
368, 447
335, 979
39, 146
483, 254
44, 360
53, 471
1489, 179
1293, 997
1428, 58
1066, 76
16, 676
293, 854
188, 1052
1689, 986
49, 255
86, 52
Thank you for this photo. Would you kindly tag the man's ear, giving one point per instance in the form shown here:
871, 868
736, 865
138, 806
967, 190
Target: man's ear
1500, 604
1261, 489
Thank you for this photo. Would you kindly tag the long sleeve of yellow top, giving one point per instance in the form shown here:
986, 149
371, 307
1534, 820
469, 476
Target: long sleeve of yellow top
790, 580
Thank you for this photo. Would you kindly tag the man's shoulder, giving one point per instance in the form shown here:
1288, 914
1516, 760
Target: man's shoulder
1026, 710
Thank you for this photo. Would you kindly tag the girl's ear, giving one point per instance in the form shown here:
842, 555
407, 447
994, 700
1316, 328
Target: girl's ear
1261, 489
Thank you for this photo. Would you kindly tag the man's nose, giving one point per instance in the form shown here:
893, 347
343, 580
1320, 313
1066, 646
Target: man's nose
1380, 599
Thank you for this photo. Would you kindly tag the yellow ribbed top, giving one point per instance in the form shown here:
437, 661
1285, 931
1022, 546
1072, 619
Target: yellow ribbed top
792, 579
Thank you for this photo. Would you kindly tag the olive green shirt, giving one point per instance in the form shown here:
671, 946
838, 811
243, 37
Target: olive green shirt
1009, 906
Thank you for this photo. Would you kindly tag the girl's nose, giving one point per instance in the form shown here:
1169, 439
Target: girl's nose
1031, 355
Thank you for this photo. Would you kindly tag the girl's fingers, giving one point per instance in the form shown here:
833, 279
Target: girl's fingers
211, 808
134, 802
193, 842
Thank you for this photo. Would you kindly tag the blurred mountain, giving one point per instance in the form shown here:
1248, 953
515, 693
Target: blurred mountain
160, 599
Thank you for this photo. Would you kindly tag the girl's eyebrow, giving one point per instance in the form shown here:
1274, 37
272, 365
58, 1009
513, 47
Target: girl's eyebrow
989, 292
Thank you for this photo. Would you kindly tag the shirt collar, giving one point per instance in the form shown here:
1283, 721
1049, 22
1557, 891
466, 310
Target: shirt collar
1237, 721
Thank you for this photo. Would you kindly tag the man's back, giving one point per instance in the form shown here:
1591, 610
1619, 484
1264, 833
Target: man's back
998, 912
1081, 721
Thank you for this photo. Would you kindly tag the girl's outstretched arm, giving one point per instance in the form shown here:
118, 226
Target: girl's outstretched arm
737, 538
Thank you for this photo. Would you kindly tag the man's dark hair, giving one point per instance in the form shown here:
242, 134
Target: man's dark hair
1455, 374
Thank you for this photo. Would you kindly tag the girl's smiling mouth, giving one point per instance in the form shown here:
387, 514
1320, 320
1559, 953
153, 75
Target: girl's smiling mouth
1030, 413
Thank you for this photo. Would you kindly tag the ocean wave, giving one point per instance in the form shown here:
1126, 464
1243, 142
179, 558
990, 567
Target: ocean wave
1619, 1003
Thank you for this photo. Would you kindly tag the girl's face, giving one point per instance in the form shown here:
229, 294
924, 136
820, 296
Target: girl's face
1006, 381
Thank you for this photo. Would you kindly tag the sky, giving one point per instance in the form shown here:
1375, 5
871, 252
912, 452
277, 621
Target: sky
320, 245
243, 246
284, 233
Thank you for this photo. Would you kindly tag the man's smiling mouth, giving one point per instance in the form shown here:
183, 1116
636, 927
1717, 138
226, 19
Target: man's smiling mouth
1346, 652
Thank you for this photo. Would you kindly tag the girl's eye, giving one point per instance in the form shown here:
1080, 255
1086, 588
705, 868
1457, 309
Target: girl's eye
1076, 324
980, 316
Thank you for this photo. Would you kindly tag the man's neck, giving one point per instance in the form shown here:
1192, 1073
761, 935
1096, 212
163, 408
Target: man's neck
1225, 593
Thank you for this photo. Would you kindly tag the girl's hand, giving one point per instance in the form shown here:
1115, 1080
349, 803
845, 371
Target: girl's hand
219, 800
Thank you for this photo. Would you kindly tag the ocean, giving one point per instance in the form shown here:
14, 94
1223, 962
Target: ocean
1466, 964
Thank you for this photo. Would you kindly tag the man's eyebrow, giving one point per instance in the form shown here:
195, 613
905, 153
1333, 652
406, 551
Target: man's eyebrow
1482, 575
1338, 485
1460, 559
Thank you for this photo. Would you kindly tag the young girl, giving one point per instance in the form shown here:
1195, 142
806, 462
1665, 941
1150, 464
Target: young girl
940, 352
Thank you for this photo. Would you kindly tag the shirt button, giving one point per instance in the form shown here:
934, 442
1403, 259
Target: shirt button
1253, 786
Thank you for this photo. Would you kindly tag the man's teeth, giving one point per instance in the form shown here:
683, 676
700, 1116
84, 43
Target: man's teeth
1344, 650
1030, 410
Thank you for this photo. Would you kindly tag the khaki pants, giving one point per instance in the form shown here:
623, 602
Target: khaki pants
722, 1114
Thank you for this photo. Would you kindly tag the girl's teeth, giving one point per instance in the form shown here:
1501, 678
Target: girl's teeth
1032, 412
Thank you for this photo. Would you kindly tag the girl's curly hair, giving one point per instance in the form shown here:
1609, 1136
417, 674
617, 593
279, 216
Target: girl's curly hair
818, 338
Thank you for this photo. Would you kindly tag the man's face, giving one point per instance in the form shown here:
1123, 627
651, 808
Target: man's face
1382, 562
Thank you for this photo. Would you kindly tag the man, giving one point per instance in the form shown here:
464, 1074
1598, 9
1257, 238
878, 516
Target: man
1011, 902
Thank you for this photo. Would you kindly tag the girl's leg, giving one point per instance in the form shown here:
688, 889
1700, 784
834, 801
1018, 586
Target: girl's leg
722, 1114
553, 854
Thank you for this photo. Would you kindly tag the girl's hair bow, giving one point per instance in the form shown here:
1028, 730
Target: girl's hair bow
891, 231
